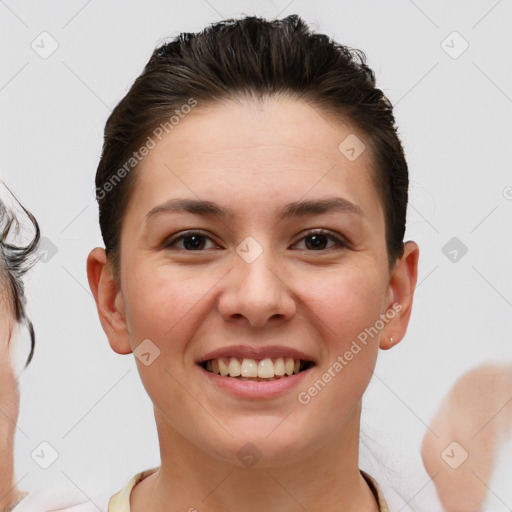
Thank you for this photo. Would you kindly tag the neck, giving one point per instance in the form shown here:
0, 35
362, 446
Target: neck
327, 479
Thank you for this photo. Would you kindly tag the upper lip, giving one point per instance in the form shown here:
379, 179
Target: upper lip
251, 352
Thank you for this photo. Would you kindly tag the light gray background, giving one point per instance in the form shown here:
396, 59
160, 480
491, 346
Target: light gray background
455, 121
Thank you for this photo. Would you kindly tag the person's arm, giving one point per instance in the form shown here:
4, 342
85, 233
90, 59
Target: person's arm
475, 415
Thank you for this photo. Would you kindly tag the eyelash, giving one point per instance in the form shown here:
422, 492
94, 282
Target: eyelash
339, 242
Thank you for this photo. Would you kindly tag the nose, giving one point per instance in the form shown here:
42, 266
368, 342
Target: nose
256, 292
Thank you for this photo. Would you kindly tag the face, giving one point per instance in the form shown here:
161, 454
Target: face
8, 382
254, 283
6, 316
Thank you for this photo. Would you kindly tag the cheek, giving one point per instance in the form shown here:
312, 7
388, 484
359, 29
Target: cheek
347, 301
6, 325
163, 304
8, 383
4, 334
347, 307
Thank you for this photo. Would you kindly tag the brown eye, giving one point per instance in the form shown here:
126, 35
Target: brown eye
317, 240
192, 241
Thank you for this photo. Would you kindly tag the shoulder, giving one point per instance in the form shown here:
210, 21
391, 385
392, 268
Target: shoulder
50, 501
377, 491
76, 501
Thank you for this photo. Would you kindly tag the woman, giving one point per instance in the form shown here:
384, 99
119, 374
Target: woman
15, 260
252, 193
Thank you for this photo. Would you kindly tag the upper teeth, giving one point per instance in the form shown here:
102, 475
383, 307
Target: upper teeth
264, 368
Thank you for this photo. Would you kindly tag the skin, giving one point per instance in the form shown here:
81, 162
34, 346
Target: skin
9, 404
189, 303
477, 414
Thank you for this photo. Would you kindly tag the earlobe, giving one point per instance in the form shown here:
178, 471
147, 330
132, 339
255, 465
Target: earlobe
388, 342
402, 284
109, 302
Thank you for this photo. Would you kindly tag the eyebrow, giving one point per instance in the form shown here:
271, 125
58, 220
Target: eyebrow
295, 209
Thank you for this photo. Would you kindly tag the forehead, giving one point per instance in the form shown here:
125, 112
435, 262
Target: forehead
252, 154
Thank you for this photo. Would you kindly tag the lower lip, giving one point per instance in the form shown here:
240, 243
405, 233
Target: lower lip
256, 389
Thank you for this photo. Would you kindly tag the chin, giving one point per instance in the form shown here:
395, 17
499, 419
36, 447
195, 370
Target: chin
262, 449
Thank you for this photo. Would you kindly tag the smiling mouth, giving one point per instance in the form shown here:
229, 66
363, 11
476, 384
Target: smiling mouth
263, 370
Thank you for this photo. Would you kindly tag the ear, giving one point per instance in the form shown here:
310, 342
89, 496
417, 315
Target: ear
400, 295
109, 301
